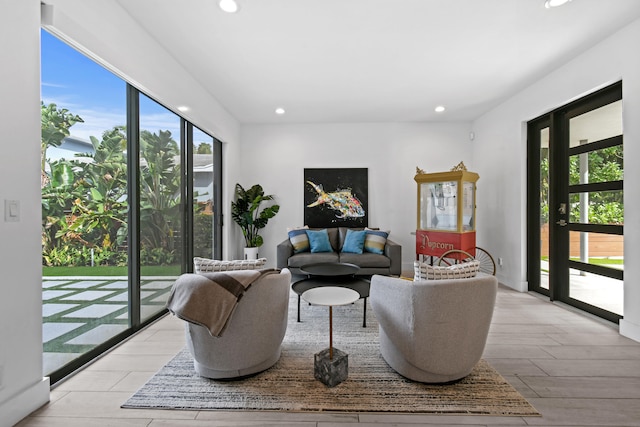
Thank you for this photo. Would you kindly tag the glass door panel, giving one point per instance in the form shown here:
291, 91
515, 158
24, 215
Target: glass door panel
160, 199
601, 249
544, 207
596, 208
84, 207
203, 194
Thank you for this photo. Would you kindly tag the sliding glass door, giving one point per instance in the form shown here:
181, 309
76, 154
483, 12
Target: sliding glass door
130, 192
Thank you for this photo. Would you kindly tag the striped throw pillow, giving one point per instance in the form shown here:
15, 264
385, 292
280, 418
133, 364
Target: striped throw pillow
375, 240
299, 240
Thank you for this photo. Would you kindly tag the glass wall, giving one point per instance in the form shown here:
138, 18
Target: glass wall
114, 192
84, 205
160, 198
203, 194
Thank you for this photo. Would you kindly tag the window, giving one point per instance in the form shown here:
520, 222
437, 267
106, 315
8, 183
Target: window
115, 233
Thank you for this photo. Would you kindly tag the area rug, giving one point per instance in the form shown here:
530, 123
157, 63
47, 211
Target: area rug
372, 386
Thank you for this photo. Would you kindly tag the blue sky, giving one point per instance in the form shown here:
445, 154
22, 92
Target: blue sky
75, 82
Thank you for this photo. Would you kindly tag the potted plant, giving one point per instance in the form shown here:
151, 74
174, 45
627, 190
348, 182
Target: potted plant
245, 211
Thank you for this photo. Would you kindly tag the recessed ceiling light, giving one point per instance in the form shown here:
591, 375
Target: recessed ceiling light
439, 109
229, 6
280, 111
555, 3
183, 108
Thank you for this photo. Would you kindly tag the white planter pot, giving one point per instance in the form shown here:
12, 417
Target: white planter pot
250, 253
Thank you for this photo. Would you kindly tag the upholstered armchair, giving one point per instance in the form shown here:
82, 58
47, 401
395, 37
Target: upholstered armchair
251, 339
433, 331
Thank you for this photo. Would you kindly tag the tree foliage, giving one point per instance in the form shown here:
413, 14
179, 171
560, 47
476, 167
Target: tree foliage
604, 207
84, 199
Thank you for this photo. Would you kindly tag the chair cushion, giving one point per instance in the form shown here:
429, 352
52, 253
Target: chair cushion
206, 265
424, 271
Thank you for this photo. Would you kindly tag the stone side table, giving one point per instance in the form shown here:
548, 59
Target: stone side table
331, 366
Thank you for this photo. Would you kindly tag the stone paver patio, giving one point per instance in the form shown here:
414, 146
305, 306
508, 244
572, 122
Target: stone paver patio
79, 313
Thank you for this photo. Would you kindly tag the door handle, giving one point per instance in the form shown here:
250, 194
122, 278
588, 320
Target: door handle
562, 223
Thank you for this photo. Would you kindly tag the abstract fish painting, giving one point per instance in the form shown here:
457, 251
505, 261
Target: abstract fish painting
343, 202
335, 197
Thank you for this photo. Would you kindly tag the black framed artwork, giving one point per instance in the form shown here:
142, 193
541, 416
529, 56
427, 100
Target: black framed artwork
335, 197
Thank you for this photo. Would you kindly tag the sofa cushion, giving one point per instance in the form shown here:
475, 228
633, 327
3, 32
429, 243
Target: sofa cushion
354, 242
305, 258
206, 265
375, 240
366, 260
319, 241
299, 240
424, 271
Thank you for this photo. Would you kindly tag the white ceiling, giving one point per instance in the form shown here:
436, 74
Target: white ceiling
373, 60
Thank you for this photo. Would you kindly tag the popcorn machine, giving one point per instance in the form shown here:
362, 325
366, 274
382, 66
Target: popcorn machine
446, 212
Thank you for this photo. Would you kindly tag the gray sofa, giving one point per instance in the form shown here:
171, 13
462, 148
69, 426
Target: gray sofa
433, 331
389, 263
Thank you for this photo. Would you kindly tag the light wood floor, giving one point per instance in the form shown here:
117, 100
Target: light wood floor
576, 370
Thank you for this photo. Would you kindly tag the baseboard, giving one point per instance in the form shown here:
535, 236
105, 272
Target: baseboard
630, 330
22, 404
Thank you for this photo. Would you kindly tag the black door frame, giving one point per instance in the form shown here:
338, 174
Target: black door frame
559, 225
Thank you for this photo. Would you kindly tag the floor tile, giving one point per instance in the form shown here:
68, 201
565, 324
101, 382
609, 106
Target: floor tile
92, 381
104, 405
590, 368
581, 387
586, 412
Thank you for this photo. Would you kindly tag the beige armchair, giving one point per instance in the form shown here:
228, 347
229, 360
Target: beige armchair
433, 331
251, 340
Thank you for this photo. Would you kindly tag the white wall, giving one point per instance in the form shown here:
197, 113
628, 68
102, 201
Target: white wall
275, 157
500, 153
22, 388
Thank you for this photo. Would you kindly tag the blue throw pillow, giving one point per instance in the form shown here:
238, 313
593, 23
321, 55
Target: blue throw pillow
319, 240
375, 240
354, 241
299, 240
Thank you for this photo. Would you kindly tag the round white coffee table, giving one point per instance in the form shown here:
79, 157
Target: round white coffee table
330, 296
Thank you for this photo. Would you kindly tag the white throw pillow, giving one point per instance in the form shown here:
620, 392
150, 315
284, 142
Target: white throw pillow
424, 271
205, 265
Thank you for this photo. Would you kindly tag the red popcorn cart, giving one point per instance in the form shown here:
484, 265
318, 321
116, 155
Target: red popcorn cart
446, 222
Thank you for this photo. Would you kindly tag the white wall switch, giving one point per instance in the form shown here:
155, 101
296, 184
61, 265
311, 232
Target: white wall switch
11, 210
